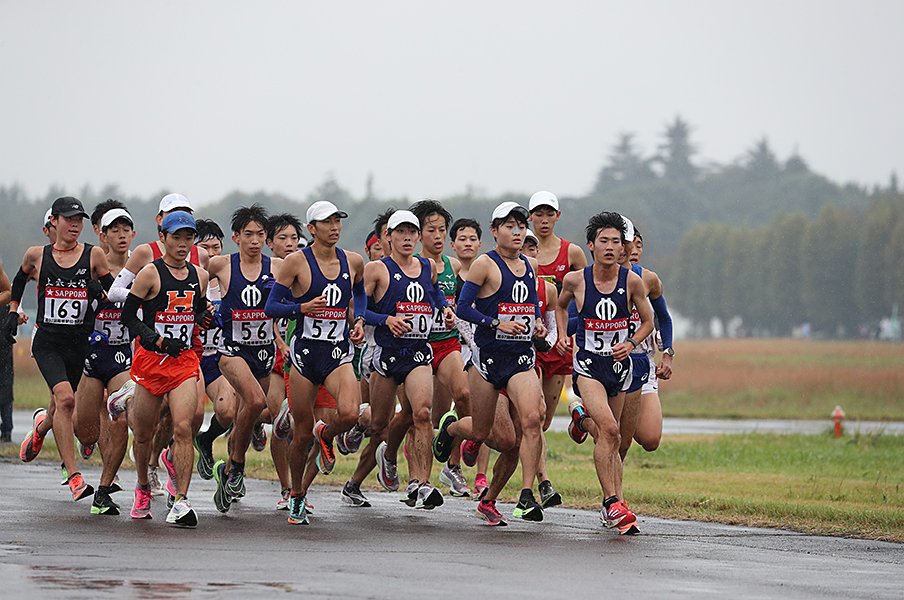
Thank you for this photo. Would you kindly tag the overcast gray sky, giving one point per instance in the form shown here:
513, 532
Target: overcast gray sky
207, 97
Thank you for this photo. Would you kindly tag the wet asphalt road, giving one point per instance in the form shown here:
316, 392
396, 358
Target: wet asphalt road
52, 547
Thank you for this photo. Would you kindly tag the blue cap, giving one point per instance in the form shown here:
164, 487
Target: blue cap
177, 220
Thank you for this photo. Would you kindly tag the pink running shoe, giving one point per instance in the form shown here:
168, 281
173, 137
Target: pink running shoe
141, 508
469, 452
481, 485
487, 510
620, 517
170, 471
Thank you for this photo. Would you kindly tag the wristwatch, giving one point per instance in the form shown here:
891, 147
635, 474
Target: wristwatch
358, 318
633, 341
670, 351
494, 323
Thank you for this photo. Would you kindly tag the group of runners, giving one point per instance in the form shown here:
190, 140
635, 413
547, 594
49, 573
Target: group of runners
443, 357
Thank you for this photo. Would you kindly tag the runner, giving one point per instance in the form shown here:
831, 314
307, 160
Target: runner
217, 389
98, 214
107, 365
500, 297
405, 294
557, 257
67, 274
248, 349
170, 292
317, 285
601, 363
283, 235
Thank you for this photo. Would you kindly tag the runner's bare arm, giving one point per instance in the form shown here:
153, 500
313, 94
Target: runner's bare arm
203, 257
359, 297
577, 260
5, 287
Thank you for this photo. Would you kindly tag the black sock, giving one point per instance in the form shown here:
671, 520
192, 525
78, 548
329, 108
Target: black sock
526, 494
214, 430
104, 489
146, 487
236, 467
609, 501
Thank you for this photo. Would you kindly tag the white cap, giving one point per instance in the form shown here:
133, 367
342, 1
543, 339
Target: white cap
302, 243
629, 229
47, 216
402, 216
506, 208
531, 234
171, 202
323, 210
113, 214
543, 199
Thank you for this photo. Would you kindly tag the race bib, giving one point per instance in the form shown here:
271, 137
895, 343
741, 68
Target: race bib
327, 325
419, 315
439, 322
600, 336
523, 313
210, 339
251, 328
65, 306
175, 325
107, 321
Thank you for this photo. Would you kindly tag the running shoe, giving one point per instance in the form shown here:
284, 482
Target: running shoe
528, 509
64, 474
549, 497
409, 497
443, 441
182, 514
326, 457
387, 470
620, 517
297, 513
481, 485
115, 487
103, 504
458, 486
154, 482
575, 427
165, 458
170, 500
78, 487
118, 400
235, 484
34, 441
283, 502
308, 507
351, 495
283, 423
469, 452
221, 497
85, 451
258, 437
141, 507
486, 510
205, 458
349, 442
428, 497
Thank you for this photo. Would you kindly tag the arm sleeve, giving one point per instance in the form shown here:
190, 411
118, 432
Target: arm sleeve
106, 281
552, 329
665, 320
466, 309
574, 318
18, 286
135, 325
280, 305
374, 318
439, 297
360, 298
119, 291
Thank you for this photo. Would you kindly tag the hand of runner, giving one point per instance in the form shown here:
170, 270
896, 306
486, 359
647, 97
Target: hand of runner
664, 368
11, 327
205, 319
449, 317
511, 327
563, 345
622, 350
356, 335
23, 318
172, 346
540, 330
313, 306
399, 326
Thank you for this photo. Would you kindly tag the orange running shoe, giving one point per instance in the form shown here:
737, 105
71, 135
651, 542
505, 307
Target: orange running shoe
78, 487
34, 441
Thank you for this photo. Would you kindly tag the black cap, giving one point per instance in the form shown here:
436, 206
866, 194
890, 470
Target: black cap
67, 206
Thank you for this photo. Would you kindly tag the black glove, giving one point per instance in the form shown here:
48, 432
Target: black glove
542, 345
11, 327
205, 319
150, 342
96, 291
172, 346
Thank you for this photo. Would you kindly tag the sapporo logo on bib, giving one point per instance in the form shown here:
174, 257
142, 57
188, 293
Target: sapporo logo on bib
518, 310
327, 325
65, 305
604, 332
178, 320
418, 313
